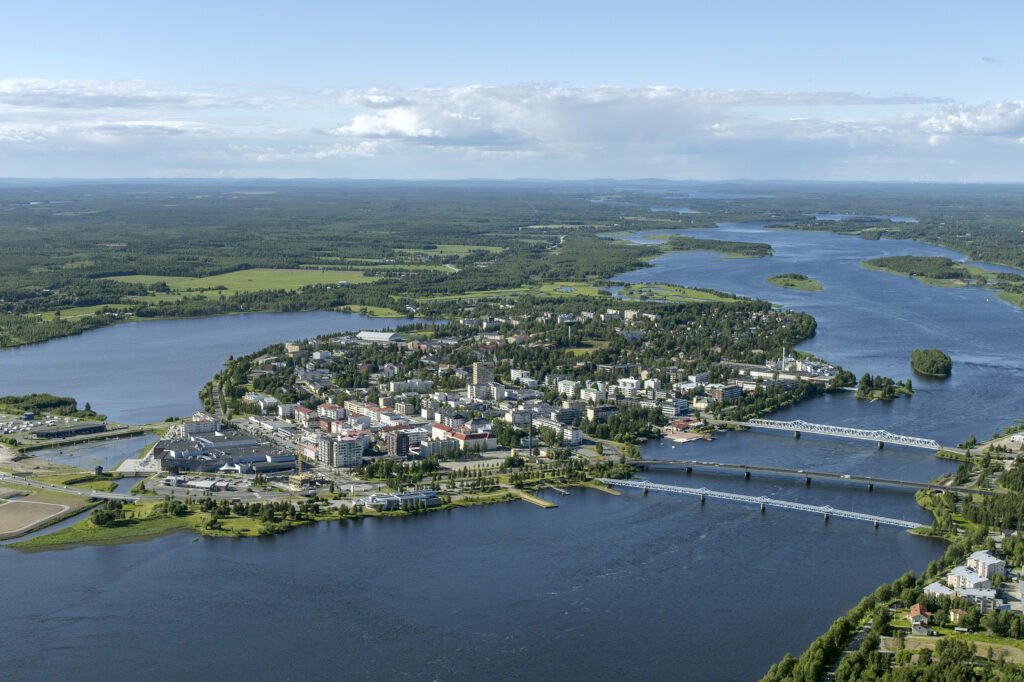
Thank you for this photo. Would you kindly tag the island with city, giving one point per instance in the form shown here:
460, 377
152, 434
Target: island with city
518, 368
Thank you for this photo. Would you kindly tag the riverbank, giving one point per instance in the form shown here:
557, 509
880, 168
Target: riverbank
146, 520
24, 510
976, 277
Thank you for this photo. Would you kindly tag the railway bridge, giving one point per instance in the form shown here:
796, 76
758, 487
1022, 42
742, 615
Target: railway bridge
799, 426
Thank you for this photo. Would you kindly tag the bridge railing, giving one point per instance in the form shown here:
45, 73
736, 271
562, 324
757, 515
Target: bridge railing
825, 510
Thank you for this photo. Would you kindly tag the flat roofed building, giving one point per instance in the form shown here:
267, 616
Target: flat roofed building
963, 578
199, 422
984, 598
397, 443
985, 564
379, 337
939, 590
483, 372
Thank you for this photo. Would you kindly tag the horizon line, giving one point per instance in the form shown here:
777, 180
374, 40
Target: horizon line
746, 181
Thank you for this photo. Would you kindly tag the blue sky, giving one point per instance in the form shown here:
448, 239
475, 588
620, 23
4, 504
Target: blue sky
925, 91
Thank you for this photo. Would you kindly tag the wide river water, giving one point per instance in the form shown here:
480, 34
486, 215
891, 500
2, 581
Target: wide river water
654, 586
141, 372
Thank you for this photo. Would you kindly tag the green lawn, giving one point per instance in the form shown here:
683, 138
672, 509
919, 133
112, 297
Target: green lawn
84, 531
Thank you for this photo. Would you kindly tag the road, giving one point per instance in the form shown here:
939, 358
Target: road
854, 645
218, 412
65, 490
158, 494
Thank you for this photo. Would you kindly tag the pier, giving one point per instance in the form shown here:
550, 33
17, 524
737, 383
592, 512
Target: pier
825, 511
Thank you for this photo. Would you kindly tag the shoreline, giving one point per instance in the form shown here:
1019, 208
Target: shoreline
193, 522
372, 314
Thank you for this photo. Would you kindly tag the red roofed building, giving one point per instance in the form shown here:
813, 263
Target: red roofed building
918, 616
475, 441
330, 411
305, 416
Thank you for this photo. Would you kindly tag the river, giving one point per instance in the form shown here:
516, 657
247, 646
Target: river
870, 321
141, 372
604, 586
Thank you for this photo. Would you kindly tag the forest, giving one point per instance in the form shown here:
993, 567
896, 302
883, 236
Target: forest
414, 243
931, 361
729, 248
933, 267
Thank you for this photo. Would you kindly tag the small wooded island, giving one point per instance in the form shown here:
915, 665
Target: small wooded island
922, 267
794, 280
882, 388
932, 362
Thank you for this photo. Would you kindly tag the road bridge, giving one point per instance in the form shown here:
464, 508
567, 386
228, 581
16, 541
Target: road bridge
808, 476
799, 426
69, 490
826, 511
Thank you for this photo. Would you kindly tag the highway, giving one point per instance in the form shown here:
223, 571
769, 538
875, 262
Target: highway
803, 473
65, 490
177, 492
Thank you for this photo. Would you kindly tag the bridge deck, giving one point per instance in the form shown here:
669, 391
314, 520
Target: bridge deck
766, 501
780, 471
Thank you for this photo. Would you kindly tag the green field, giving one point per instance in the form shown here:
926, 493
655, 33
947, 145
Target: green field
372, 311
549, 289
1012, 297
69, 313
670, 292
443, 250
257, 279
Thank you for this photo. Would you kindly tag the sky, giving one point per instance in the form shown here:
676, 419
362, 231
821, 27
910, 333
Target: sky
908, 91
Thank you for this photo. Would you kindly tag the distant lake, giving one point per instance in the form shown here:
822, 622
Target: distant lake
673, 209
844, 216
140, 372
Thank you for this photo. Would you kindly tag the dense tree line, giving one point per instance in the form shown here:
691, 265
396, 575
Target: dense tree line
882, 388
1000, 511
45, 402
631, 424
732, 248
934, 267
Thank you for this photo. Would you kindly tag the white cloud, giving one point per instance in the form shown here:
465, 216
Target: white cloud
124, 94
47, 127
1005, 119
